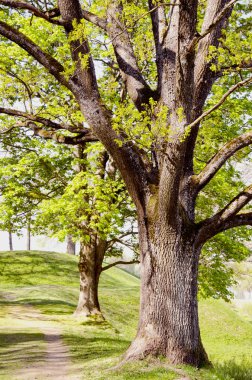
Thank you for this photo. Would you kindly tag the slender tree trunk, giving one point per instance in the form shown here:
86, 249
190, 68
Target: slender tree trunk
90, 266
70, 245
168, 324
10, 241
28, 237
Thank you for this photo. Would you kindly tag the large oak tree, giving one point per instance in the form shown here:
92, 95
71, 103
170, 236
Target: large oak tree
169, 89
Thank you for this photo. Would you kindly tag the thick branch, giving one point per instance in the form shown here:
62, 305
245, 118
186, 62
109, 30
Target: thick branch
85, 89
218, 18
137, 88
204, 76
219, 159
239, 220
235, 205
224, 218
121, 263
159, 27
98, 21
35, 11
45, 59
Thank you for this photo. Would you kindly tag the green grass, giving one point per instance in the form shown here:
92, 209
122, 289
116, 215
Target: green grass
49, 282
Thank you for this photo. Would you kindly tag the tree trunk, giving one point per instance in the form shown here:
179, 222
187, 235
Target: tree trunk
168, 324
90, 266
70, 245
28, 237
10, 241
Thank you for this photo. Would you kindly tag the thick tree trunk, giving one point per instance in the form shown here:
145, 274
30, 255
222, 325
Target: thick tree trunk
168, 323
70, 245
90, 266
10, 241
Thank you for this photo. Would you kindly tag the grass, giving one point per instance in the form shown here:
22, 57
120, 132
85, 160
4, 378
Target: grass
17, 344
49, 282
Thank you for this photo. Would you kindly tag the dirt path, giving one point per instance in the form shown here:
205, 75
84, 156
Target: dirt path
55, 360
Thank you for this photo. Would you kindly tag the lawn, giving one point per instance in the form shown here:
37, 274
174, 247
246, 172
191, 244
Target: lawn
49, 282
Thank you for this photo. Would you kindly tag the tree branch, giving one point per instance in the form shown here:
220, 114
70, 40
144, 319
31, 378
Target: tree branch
45, 59
49, 15
243, 65
137, 88
218, 18
224, 218
219, 159
159, 27
98, 21
204, 76
35, 11
222, 100
235, 205
238, 220
121, 262
46, 122
62, 139
84, 87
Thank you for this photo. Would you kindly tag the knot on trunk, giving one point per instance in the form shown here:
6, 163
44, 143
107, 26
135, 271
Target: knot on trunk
83, 267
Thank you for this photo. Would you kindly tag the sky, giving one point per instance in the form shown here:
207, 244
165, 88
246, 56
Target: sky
41, 242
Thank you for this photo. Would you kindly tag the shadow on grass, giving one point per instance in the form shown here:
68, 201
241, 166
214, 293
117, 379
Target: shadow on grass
95, 347
19, 348
233, 371
36, 301
7, 339
35, 267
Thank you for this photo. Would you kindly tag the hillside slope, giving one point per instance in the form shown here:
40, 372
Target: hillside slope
49, 282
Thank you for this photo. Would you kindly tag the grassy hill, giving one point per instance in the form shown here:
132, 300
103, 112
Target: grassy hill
49, 282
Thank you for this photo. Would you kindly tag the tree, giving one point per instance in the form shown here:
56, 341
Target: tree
94, 209
151, 128
39, 185
70, 245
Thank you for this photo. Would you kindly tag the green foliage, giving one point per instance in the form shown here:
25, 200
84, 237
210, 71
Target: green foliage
93, 203
88, 202
145, 128
28, 176
229, 121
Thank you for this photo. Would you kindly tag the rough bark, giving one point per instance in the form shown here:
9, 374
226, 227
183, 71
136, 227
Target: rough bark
90, 267
168, 324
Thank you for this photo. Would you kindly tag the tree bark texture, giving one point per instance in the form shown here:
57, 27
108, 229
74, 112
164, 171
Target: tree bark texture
168, 324
90, 266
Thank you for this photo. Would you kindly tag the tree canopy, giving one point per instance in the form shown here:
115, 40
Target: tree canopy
165, 89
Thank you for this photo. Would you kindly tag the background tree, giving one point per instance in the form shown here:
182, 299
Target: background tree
95, 210
151, 128
29, 173
92, 207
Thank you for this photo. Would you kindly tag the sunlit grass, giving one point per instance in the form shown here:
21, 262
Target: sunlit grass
49, 282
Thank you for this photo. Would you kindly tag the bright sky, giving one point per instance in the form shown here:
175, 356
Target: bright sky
42, 243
